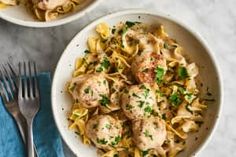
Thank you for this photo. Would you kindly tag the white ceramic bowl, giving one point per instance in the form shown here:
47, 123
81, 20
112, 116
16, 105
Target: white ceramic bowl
192, 43
20, 16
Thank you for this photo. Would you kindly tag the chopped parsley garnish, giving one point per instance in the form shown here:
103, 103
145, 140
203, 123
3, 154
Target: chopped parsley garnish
104, 101
86, 51
105, 63
144, 153
146, 92
175, 99
147, 134
182, 90
159, 74
86, 90
101, 141
128, 107
130, 24
141, 103
159, 93
163, 116
117, 140
113, 30
182, 73
100, 69
108, 126
189, 97
148, 109
135, 95
166, 45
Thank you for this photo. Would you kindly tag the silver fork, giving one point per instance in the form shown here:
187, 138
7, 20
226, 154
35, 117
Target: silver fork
8, 92
28, 98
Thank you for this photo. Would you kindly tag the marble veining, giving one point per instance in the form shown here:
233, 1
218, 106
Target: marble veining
214, 20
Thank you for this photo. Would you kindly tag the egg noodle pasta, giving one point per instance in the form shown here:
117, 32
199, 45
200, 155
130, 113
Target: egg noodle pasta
45, 10
134, 92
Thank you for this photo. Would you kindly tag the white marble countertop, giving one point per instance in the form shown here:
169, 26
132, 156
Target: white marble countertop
215, 20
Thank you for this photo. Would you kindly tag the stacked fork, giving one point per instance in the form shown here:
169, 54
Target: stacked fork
25, 106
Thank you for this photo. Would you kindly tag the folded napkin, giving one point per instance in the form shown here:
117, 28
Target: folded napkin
46, 136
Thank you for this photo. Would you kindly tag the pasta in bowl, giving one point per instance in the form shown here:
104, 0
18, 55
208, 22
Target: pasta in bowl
44, 13
135, 91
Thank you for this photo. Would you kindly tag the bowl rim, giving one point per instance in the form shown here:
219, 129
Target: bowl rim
173, 19
57, 22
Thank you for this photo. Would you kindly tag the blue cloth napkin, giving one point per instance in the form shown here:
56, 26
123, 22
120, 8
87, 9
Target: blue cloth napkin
46, 136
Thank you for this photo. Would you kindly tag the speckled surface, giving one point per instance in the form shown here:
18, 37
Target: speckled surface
214, 20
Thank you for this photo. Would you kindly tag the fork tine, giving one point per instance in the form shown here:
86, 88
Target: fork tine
31, 88
6, 84
36, 90
25, 83
20, 92
3, 93
12, 70
10, 80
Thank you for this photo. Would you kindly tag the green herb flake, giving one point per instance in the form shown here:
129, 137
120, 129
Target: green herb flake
144, 153
113, 30
108, 126
148, 109
182, 73
166, 46
175, 99
86, 51
159, 74
159, 93
164, 116
105, 63
130, 24
141, 103
189, 97
182, 90
117, 140
86, 90
128, 107
104, 101
146, 93
100, 69
115, 155
135, 95
147, 134
101, 141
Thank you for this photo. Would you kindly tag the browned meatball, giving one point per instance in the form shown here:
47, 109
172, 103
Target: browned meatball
144, 65
149, 133
104, 131
138, 101
92, 89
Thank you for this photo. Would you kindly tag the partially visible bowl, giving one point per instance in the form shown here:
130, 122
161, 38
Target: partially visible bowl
20, 16
189, 40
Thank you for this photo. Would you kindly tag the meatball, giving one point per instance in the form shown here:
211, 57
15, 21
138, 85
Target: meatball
149, 133
104, 131
144, 65
92, 89
138, 101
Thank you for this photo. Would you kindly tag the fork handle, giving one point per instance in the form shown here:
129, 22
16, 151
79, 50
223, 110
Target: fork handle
30, 139
22, 125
